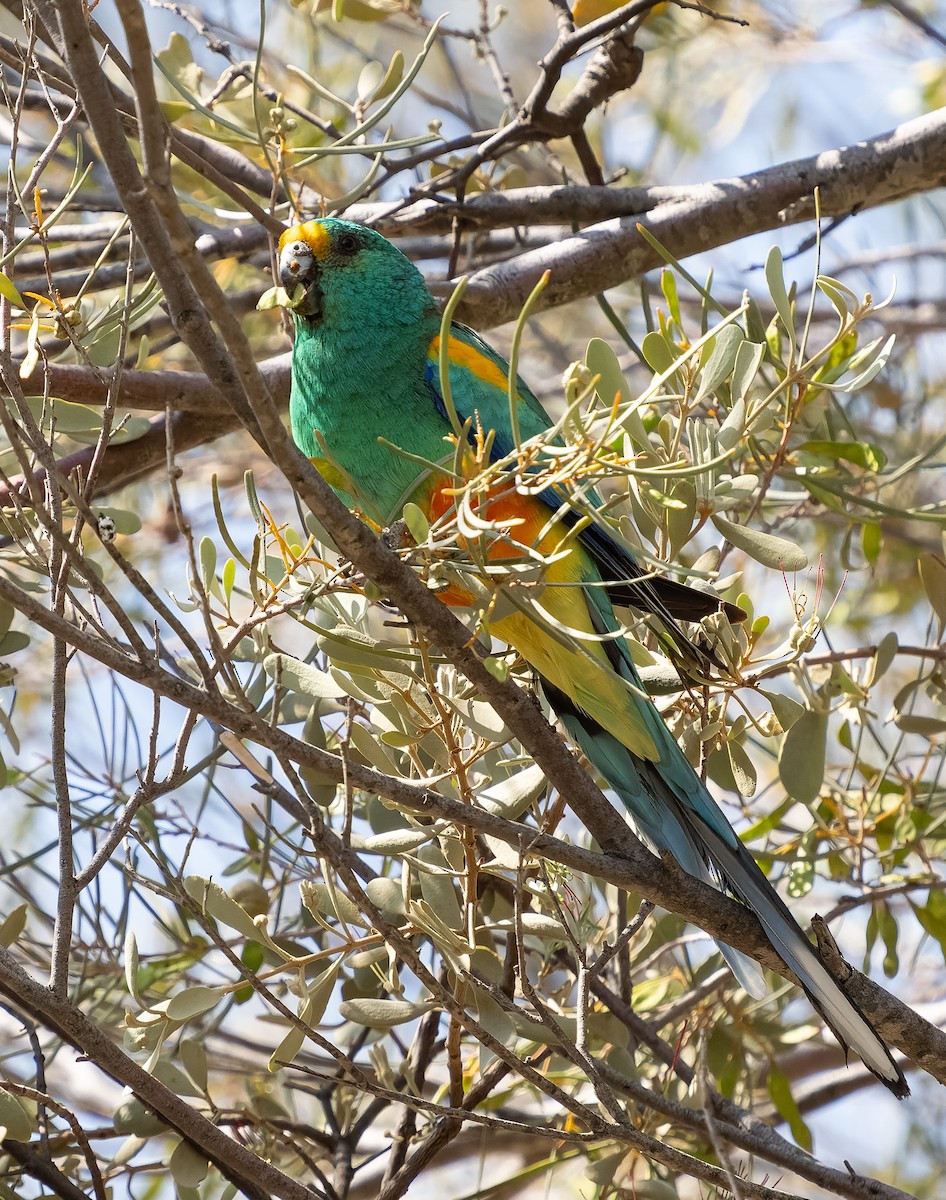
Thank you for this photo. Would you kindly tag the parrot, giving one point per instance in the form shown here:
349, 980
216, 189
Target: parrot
366, 406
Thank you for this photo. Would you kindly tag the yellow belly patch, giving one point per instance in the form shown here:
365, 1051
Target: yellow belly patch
589, 680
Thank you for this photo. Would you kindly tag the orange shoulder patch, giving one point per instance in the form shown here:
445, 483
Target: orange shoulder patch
472, 360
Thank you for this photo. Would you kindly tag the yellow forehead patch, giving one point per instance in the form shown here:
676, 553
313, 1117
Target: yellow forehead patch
313, 233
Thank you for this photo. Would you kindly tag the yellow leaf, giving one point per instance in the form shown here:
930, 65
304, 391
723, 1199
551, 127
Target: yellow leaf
586, 11
333, 474
356, 10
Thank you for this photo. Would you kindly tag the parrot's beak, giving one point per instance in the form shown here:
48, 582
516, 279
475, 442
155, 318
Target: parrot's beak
299, 274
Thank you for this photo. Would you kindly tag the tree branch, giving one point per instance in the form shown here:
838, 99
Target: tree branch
908, 160
234, 374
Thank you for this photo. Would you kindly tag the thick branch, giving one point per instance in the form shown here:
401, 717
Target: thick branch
903, 162
151, 391
199, 415
148, 391
127, 462
688, 219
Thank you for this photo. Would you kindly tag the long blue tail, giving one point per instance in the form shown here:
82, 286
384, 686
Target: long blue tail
675, 814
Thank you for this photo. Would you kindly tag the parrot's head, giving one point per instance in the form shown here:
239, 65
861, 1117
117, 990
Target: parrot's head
333, 270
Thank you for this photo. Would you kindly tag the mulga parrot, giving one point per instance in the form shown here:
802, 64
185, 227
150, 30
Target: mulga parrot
366, 375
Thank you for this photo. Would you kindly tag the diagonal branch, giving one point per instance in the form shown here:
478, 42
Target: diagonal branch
908, 160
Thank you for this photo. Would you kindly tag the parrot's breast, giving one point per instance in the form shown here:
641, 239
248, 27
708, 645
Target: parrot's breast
351, 407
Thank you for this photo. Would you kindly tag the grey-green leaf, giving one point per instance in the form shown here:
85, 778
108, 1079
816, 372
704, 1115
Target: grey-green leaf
207, 555
887, 649
511, 797
722, 360
416, 521
732, 429
220, 905
320, 899
14, 1118
775, 281
13, 925
657, 353
743, 770
748, 360
601, 360
787, 711
933, 574
188, 1166
193, 1001
9, 292
386, 894
775, 552
131, 963
801, 761
380, 1014
301, 677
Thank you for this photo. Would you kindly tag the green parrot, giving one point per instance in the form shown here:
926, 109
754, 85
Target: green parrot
366, 379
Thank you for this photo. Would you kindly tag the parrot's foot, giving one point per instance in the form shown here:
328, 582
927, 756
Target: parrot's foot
396, 536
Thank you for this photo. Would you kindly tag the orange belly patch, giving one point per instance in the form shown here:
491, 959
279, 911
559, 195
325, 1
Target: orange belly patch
532, 517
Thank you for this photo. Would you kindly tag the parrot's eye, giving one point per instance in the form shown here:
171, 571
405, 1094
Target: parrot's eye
348, 243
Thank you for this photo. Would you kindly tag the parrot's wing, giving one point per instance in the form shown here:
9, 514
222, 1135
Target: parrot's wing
479, 382
479, 385
633, 587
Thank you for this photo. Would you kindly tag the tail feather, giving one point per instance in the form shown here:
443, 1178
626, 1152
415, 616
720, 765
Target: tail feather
747, 971
840, 1013
675, 813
